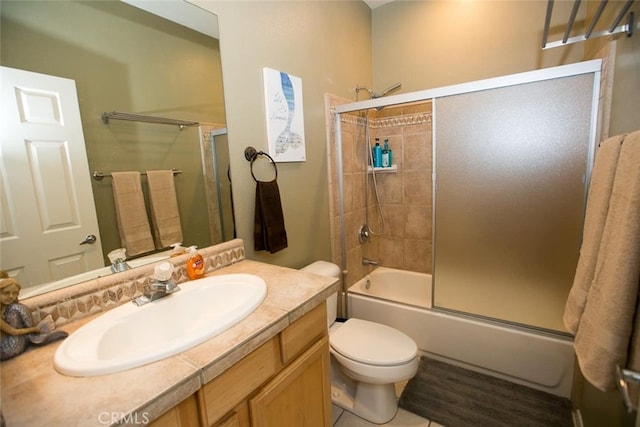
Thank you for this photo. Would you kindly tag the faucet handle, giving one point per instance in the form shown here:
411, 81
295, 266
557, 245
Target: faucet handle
117, 255
163, 271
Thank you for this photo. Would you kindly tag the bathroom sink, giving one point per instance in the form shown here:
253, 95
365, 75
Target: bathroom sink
130, 336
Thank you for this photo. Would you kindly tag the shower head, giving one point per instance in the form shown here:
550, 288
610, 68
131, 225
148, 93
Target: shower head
374, 95
359, 88
387, 90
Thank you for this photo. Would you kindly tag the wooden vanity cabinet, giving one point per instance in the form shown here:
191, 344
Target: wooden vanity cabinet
184, 414
299, 395
227, 393
284, 382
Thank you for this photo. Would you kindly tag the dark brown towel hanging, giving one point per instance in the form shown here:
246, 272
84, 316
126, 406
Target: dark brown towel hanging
269, 233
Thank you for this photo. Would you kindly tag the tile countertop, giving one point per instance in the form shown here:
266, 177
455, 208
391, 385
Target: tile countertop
33, 393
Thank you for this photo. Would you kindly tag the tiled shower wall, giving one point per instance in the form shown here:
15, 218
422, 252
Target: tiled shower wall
404, 240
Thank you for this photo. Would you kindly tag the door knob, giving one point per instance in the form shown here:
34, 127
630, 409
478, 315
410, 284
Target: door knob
89, 240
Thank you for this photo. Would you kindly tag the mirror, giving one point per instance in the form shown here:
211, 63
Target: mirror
123, 58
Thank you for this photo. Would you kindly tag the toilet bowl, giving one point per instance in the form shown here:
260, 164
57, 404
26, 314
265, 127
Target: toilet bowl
367, 359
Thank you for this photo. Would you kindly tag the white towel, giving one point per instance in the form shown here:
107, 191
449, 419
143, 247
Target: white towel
606, 334
131, 213
164, 208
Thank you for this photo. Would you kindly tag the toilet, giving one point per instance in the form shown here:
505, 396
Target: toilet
367, 359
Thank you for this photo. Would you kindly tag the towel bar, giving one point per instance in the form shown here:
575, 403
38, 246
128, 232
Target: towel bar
143, 118
98, 176
614, 28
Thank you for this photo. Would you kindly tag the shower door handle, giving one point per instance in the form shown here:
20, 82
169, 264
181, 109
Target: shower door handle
624, 377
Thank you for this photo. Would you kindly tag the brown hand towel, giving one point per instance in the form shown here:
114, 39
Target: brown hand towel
600, 186
269, 233
165, 216
606, 335
131, 213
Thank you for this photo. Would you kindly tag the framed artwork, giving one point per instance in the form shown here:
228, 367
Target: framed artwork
285, 117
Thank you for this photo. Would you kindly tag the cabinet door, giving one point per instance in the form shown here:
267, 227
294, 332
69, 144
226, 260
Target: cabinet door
238, 417
300, 396
185, 414
232, 387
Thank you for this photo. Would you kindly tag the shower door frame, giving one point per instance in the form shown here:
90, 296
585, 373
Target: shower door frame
593, 67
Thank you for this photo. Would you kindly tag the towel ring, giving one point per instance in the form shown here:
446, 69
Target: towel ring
251, 154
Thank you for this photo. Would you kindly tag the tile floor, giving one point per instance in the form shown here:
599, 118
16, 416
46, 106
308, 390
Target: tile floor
342, 418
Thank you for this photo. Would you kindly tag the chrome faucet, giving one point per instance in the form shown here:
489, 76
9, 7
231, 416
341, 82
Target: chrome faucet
367, 261
161, 287
156, 290
118, 260
119, 265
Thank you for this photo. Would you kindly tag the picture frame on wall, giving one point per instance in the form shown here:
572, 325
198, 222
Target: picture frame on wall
284, 115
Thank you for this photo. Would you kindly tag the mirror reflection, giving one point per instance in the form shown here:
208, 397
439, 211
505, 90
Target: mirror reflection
125, 59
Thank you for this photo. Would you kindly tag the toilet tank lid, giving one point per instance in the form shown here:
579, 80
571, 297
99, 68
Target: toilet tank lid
323, 268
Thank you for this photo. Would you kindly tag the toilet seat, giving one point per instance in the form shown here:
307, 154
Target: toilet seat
373, 343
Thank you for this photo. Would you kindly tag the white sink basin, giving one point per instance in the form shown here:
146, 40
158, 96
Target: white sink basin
130, 336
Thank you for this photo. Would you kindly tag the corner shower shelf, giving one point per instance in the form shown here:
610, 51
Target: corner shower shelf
392, 169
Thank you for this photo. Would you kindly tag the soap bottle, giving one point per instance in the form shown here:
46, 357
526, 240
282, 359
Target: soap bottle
389, 154
195, 264
377, 154
177, 250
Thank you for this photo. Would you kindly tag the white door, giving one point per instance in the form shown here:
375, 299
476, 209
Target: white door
46, 202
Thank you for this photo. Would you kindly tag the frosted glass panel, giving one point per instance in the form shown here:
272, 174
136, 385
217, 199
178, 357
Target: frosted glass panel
510, 185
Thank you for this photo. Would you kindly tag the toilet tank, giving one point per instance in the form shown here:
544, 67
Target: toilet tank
328, 269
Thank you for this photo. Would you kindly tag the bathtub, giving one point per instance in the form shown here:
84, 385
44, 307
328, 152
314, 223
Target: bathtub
402, 299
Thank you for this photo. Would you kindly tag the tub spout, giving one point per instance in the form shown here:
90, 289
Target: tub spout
367, 261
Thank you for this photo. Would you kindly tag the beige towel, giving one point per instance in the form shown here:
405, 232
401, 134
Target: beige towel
131, 214
606, 335
164, 208
600, 187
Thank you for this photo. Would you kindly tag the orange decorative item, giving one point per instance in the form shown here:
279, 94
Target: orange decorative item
195, 264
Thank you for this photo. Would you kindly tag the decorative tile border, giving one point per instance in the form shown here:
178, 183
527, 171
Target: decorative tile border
389, 121
405, 120
85, 299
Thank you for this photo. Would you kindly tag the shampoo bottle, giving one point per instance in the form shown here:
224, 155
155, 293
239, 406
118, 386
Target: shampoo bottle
389, 153
377, 154
195, 264
385, 155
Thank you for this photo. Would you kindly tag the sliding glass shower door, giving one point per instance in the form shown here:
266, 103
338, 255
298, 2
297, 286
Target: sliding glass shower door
511, 165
